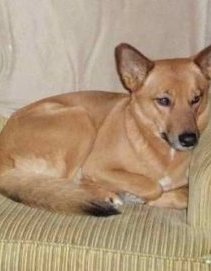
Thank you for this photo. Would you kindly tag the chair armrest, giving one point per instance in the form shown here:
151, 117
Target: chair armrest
3, 121
199, 206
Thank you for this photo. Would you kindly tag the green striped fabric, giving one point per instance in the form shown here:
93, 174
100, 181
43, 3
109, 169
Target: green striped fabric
141, 239
2, 122
199, 210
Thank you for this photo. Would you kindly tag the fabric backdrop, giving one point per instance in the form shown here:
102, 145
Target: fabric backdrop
54, 46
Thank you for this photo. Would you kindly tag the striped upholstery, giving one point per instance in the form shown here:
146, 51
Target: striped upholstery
199, 213
141, 239
2, 122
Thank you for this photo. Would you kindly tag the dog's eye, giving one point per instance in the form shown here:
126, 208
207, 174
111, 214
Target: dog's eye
164, 101
196, 99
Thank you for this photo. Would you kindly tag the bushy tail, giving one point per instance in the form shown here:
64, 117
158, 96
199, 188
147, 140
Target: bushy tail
58, 195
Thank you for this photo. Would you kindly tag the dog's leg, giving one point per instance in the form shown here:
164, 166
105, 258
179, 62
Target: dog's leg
177, 199
138, 185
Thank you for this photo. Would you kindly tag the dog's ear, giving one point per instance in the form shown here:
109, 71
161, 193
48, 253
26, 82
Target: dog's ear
203, 60
132, 66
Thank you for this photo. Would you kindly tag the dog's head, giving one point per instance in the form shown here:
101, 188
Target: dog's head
170, 95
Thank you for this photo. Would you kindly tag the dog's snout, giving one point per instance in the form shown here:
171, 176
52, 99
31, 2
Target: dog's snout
188, 139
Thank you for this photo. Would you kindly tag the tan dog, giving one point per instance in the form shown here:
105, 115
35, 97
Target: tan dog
87, 151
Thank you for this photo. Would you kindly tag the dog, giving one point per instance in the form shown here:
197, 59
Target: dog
91, 151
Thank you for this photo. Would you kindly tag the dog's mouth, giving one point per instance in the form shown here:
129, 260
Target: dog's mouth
165, 137
183, 142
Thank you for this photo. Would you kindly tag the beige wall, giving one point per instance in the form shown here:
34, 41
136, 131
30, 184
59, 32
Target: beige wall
54, 46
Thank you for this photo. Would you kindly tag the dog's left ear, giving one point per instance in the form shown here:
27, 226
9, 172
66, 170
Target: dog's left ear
203, 60
132, 66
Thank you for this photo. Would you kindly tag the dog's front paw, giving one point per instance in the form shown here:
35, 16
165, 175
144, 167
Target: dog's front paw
114, 199
131, 198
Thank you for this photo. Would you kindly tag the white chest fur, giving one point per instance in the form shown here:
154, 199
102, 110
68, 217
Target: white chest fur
166, 183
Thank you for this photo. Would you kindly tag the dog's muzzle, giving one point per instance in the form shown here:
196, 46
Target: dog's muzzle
184, 141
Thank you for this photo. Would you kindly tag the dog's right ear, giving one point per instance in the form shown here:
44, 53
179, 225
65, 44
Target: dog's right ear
132, 66
203, 60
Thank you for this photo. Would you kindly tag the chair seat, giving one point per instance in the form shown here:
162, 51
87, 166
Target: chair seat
143, 237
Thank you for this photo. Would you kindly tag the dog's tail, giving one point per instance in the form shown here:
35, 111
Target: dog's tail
59, 195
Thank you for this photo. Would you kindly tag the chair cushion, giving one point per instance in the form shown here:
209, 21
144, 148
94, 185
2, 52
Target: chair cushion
142, 238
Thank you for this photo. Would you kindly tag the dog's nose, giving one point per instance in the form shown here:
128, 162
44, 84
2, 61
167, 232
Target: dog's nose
188, 139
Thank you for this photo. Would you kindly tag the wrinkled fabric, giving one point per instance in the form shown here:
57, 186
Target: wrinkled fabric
50, 47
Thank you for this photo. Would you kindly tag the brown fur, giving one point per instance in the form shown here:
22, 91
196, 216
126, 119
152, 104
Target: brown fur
86, 151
